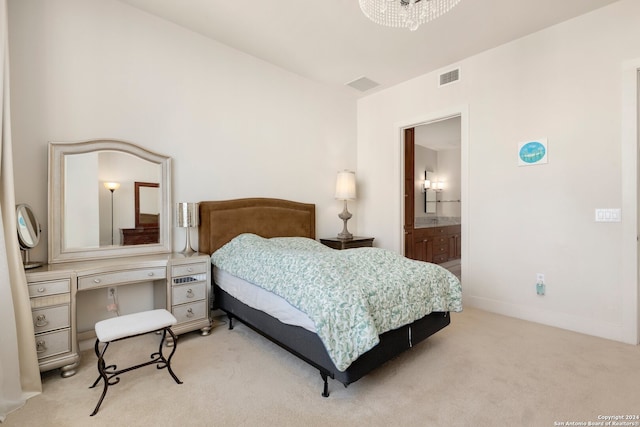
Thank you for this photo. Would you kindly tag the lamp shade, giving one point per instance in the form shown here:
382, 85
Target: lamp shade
346, 185
111, 186
186, 214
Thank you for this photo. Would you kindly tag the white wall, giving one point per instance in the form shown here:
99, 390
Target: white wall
235, 126
563, 83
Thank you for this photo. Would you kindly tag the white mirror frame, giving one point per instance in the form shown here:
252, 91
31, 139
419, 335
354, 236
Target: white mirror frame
57, 152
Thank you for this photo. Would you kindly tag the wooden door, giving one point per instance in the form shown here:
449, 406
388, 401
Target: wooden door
409, 194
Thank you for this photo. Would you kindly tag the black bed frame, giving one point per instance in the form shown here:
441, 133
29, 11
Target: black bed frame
307, 345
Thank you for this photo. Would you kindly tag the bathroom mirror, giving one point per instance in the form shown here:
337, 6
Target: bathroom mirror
94, 201
28, 233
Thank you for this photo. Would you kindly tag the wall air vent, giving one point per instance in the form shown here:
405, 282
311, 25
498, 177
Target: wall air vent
363, 84
449, 77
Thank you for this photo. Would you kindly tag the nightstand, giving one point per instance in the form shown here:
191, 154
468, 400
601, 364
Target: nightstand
356, 242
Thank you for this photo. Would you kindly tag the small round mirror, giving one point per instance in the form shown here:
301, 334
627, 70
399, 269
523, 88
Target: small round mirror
28, 232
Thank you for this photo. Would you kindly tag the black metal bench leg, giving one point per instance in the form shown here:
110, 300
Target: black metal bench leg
103, 375
168, 361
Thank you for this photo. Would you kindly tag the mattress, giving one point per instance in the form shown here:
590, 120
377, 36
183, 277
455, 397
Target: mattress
260, 299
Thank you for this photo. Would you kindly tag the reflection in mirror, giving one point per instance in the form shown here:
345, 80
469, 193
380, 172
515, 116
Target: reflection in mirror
147, 214
147, 204
95, 200
28, 233
430, 201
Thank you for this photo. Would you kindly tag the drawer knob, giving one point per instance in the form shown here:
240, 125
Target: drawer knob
41, 321
190, 312
41, 346
190, 269
41, 290
190, 293
150, 273
96, 280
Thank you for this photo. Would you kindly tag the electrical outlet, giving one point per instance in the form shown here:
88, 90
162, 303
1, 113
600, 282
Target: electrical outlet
540, 286
112, 298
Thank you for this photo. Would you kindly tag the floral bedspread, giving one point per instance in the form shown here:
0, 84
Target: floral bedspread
352, 295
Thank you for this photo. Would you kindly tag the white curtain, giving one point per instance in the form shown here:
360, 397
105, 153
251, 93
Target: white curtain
19, 372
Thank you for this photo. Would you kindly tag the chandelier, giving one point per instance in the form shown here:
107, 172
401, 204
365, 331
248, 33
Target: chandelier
405, 13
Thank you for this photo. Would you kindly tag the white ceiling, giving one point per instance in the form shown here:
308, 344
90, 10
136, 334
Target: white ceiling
331, 41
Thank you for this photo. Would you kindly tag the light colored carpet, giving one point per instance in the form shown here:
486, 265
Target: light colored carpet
482, 370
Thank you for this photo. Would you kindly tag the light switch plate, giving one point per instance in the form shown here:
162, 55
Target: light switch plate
608, 215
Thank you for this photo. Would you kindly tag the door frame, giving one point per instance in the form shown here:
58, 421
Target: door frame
425, 119
630, 298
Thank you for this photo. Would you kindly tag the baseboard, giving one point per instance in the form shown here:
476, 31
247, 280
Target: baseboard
86, 340
583, 325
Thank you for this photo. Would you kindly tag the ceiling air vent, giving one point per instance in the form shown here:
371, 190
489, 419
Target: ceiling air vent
362, 84
449, 77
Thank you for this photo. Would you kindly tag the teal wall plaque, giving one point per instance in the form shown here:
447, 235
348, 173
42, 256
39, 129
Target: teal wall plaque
532, 152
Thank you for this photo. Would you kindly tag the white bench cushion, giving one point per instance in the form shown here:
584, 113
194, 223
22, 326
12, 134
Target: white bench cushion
133, 324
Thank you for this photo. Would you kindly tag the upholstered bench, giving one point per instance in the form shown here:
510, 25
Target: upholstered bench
128, 326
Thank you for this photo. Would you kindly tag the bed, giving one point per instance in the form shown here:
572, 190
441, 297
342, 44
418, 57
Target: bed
222, 221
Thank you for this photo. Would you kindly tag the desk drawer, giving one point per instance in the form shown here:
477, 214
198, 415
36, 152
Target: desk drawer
53, 287
52, 343
183, 270
189, 292
121, 277
50, 318
190, 312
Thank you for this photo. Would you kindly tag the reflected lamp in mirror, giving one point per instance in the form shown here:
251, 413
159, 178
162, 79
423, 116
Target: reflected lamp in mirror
429, 192
111, 186
431, 183
28, 233
426, 185
345, 190
187, 217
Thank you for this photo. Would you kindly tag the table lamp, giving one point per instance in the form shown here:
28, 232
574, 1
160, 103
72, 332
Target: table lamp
187, 217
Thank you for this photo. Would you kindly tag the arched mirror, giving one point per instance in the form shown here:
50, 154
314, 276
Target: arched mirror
28, 233
95, 200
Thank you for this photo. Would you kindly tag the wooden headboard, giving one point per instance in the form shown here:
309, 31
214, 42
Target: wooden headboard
221, 221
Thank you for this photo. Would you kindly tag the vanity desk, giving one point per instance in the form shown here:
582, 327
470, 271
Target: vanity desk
181, 284
109, 226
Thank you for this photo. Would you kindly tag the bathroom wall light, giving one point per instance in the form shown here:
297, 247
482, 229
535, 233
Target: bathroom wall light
426, 185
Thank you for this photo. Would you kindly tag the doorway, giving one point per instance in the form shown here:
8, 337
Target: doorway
432, 189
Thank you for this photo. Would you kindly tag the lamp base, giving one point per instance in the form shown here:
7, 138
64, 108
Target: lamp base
345, 236
345, 215
187, 247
